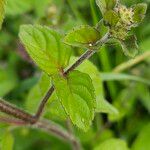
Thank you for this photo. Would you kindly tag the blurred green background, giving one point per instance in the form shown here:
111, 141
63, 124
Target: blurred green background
129, 94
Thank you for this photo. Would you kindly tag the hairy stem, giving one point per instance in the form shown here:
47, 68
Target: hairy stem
16, 112
34, 121
83, 57
53, 128
80, 60
50, 91
13, 121
43, 102
47, 126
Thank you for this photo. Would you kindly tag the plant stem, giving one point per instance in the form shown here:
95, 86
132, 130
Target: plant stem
16, 112
47, 126
83, 57
44, 125
132, 62
12, 121
53, 128
44, 101
41, 107
80, 60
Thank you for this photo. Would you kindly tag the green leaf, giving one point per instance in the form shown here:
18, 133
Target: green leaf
7, 141
112, 144
76, 93
53, 109
83, 36
111, 18
45, 47
139, 12
101, 104
142, 141
105, 5
129, 46
2, 11
102, 28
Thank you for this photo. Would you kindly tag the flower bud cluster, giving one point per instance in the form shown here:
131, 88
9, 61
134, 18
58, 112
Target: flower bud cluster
125, 23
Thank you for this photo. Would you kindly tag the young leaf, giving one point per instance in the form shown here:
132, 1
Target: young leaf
45, 47
111, 18
105, 5
112, 144
2, 11
110, 4
129, 46
139, 12
101, 27
83, 36
76, 94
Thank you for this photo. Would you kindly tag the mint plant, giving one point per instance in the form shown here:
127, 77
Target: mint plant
76, 90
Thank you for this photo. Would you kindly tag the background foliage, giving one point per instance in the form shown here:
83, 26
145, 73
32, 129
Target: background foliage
126, 123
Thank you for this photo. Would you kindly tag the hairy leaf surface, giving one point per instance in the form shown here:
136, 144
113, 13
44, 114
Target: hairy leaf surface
139, 12
45, 47
54, 109
76, 94
111, 18
83, 36
101, 104
105, 5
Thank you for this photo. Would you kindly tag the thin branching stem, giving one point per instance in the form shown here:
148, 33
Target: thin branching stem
45, 125
53, 128
44, 101
16, 112
12, 121
80, 60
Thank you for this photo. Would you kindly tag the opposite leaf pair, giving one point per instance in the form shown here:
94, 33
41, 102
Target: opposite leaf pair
74, 90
